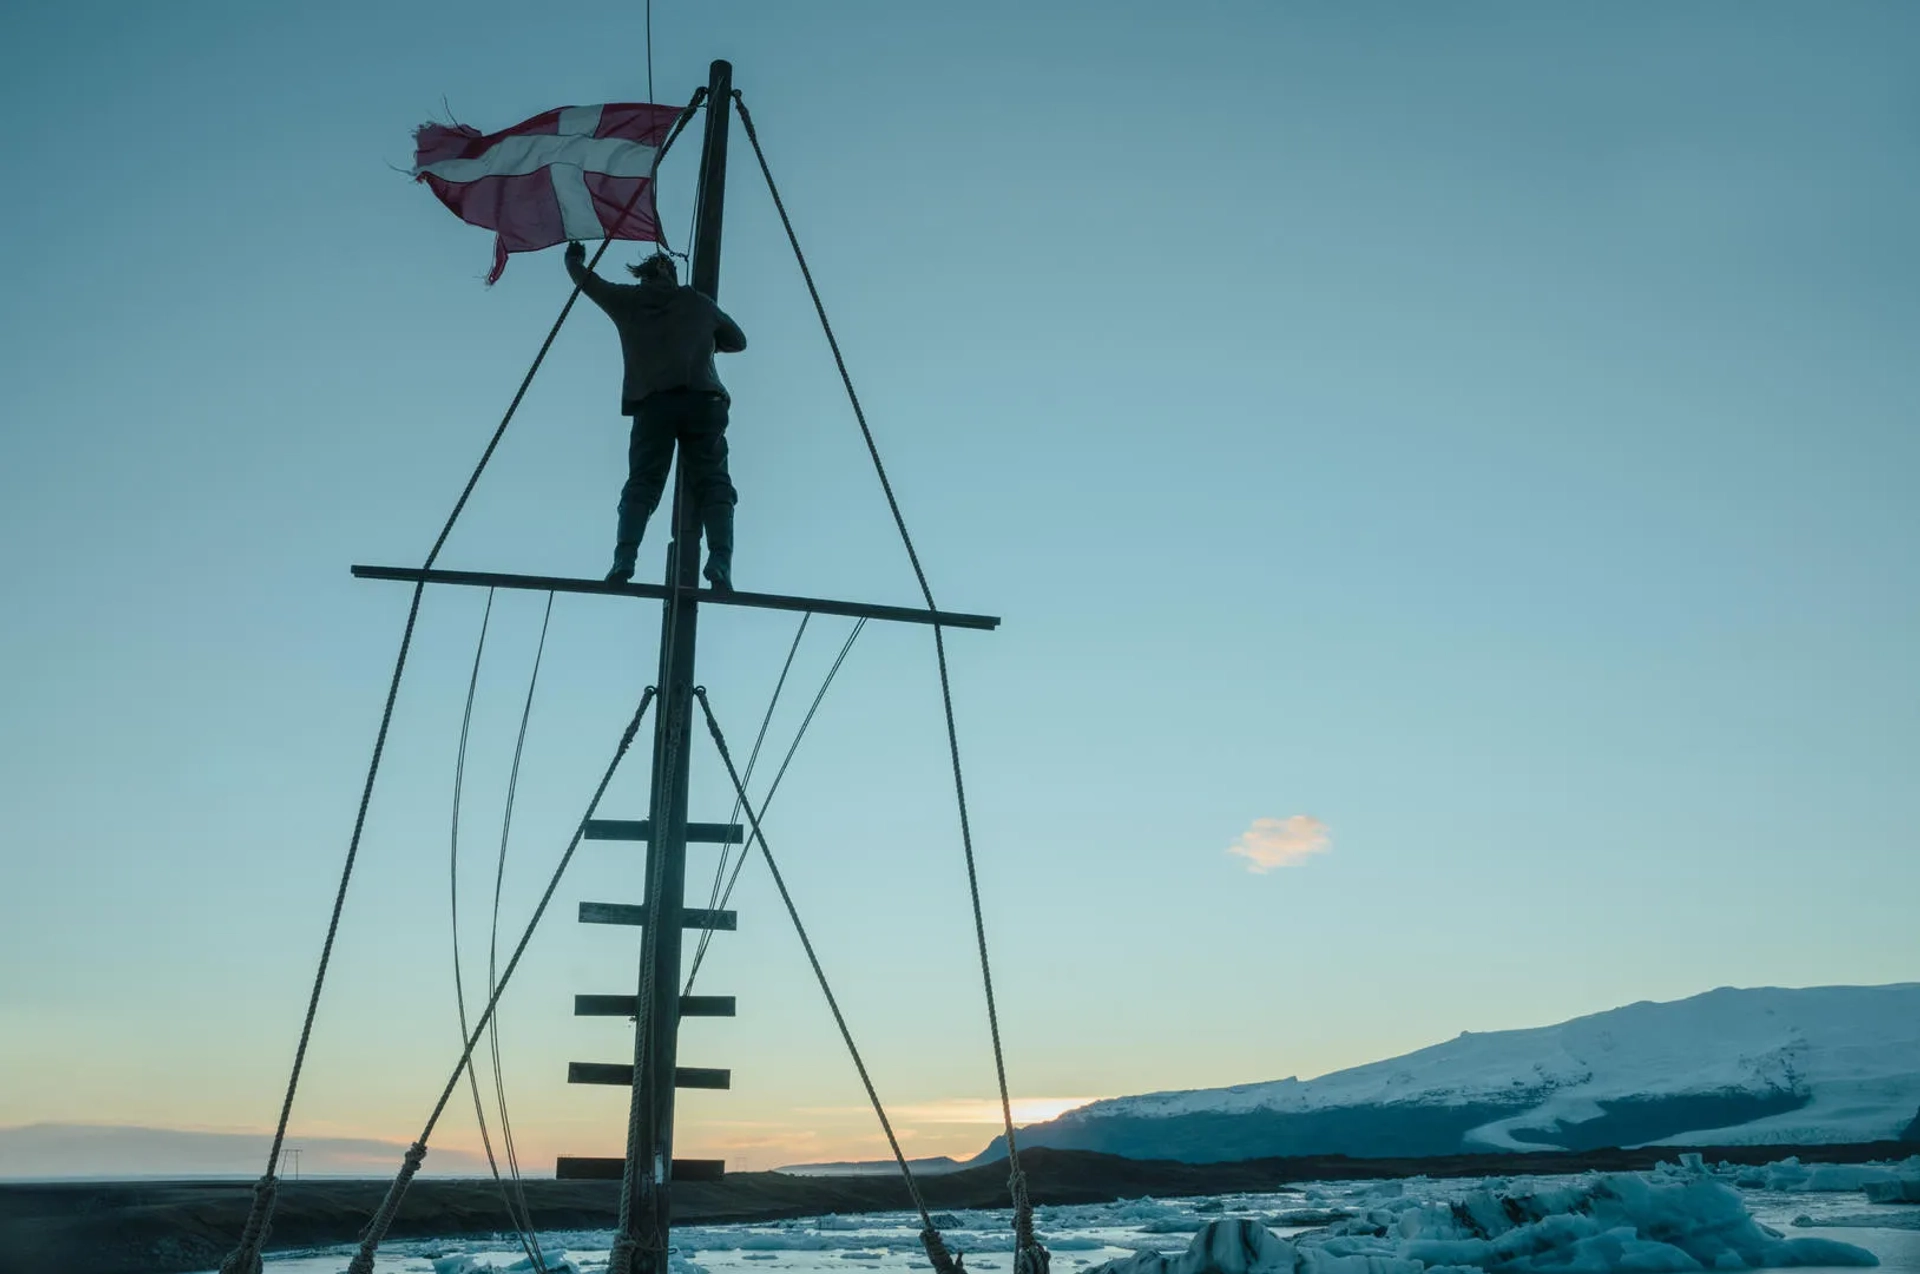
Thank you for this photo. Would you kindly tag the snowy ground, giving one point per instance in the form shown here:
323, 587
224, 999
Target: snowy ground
1082, 1237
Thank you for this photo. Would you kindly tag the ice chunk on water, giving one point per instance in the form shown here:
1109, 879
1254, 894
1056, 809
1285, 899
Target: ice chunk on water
1845, 1176
1241, 1246
1616, 1222
1320, 1261
1308, 1216
1903, 1189
554, 1262
1234, 1246
1909, 1220
1792, 1176
1598, 1226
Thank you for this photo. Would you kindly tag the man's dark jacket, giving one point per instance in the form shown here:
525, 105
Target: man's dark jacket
668, 334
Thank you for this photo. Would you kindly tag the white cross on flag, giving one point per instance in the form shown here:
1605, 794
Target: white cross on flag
579, 172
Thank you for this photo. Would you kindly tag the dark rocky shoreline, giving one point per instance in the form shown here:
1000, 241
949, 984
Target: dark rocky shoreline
169, 1227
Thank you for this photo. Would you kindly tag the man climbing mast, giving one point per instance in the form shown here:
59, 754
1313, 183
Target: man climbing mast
668, 337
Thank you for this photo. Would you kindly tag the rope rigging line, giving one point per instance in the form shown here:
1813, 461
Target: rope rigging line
716, 897
376, 1230
530, 1247
773, 787
1029, 1256
493, 939
245, 1258
944, 1262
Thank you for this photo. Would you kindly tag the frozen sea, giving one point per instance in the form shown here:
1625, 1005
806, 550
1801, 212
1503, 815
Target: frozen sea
1079, 1236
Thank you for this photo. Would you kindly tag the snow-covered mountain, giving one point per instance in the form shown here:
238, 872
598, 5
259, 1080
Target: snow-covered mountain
1730, 1067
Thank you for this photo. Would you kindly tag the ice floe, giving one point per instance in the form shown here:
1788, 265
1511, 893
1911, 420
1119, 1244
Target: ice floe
1902, 1189
1684, 1216
553, 1262
1792, 1176
1621, 1222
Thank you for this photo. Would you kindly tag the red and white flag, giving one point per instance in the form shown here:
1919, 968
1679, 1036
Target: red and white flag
580, 172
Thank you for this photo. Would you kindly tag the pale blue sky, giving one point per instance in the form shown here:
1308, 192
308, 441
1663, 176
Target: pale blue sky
1488, 429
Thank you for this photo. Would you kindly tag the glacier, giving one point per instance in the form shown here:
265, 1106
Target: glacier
1728, 1067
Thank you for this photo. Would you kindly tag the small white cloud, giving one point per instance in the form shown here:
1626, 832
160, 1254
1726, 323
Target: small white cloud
1282, 842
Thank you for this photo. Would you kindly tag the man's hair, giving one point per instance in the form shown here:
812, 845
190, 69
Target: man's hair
656, 268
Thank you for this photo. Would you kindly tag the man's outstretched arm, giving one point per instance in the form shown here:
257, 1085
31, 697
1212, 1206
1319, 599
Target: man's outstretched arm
727, 336
596, 288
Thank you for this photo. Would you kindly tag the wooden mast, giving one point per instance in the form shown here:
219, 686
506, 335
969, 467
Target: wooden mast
647, 1209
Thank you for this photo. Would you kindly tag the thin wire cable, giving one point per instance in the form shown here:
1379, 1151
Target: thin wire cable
453, 901
820, 695
245, 1258
753, 760
376, 1231
929, 1234
714, 899
714, 894
693, 226
701, 951
1030, 1256
781, 773
493, 944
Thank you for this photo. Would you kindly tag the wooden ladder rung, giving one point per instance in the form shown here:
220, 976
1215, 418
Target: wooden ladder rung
633, 913
641, 829
620, 1074
586, 1168
627, 1005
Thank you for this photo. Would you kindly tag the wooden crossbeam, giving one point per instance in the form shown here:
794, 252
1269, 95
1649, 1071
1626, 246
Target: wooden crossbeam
628, 913
586, 1168
620, 1074
642, 830
625, 1005
659, 592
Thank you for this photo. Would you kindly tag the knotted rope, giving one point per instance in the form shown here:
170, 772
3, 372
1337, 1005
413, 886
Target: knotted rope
1030, 1256
245, 1259
362, 1262
621, 1259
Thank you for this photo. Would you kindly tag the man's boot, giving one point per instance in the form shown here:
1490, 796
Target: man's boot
624, 554
717, 520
